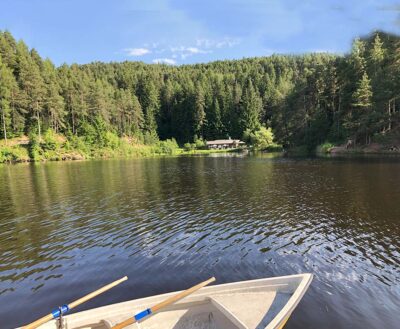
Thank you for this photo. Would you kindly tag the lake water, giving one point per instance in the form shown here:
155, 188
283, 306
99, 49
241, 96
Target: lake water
68, 228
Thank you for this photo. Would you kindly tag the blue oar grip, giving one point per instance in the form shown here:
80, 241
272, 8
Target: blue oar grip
61, 310
142, 314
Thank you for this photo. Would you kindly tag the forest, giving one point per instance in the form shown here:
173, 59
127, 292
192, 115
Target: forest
305, 99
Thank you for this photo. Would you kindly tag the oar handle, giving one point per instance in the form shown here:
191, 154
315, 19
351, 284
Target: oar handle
168, 301
79, 301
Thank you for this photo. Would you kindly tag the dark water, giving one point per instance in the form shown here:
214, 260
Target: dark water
168, 223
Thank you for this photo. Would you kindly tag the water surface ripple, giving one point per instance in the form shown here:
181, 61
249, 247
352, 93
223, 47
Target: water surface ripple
167, 223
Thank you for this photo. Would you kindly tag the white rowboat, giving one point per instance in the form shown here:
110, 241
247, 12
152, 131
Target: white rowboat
256, 304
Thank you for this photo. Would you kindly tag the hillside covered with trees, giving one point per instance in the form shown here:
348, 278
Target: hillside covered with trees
306, 100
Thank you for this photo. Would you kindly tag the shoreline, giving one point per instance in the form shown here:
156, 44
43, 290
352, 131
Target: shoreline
105, 154
372, 149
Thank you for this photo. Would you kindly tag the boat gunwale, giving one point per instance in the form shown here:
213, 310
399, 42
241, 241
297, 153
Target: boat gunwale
283, 315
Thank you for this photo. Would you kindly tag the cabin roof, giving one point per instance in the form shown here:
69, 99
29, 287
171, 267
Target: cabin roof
224, 141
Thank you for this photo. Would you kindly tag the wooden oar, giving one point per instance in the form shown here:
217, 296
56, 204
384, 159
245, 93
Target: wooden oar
65, 308
157, 307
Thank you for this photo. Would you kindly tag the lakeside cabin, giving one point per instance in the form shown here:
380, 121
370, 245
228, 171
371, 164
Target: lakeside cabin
224, 144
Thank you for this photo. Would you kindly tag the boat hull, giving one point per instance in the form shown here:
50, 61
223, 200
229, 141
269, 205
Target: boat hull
255, 304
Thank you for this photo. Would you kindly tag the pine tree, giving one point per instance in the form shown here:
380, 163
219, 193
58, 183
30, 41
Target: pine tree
358, 118
31, 85
165, 118
214, 124
199, 113
357, 57
236, 130
363, 94
148, 98
7, 83
137, 119
54, 102
251, 106
98, 101
8, 47
377, 51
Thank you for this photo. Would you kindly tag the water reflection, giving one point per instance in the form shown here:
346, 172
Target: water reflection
67, 228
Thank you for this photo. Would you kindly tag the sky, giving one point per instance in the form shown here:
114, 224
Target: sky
179, 32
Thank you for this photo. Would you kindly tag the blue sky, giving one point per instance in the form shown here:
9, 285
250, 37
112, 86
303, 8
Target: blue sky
189, 31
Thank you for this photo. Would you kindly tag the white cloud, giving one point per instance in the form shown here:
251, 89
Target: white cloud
194, 50
137, 51
222, 43
185, 52
201, 46
169, 61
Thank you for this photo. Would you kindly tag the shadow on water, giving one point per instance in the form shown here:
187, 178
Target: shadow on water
168, 223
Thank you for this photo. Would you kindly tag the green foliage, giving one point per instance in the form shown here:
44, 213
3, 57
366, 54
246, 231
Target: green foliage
169, 146
363, 94
325, 147
261, 138
150, 138
251, 106
189, 147
199, 143
50, 141
111, 140
76, 143
89, 133
35, 151
13, 154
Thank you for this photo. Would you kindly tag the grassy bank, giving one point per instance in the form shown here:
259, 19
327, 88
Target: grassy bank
53, 147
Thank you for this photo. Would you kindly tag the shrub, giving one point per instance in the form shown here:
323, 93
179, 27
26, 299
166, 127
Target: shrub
75, 143
260, 139
169, 146
35, 150
111, 140
150, 138
13, 154
50, 141
89, 132
199, 143
189, 146
325, 148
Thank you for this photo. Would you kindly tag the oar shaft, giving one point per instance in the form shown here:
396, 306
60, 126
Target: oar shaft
168, 301
39, 322
183, 294
79, 301
96, 293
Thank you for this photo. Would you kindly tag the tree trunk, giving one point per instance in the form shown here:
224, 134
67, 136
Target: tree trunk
38, 121
4, 125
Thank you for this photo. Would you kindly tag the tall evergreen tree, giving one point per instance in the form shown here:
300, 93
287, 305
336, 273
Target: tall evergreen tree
363, 94
148, 98
32, 85
251, 106
7, 83
199, 112
53, 102
214, 123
